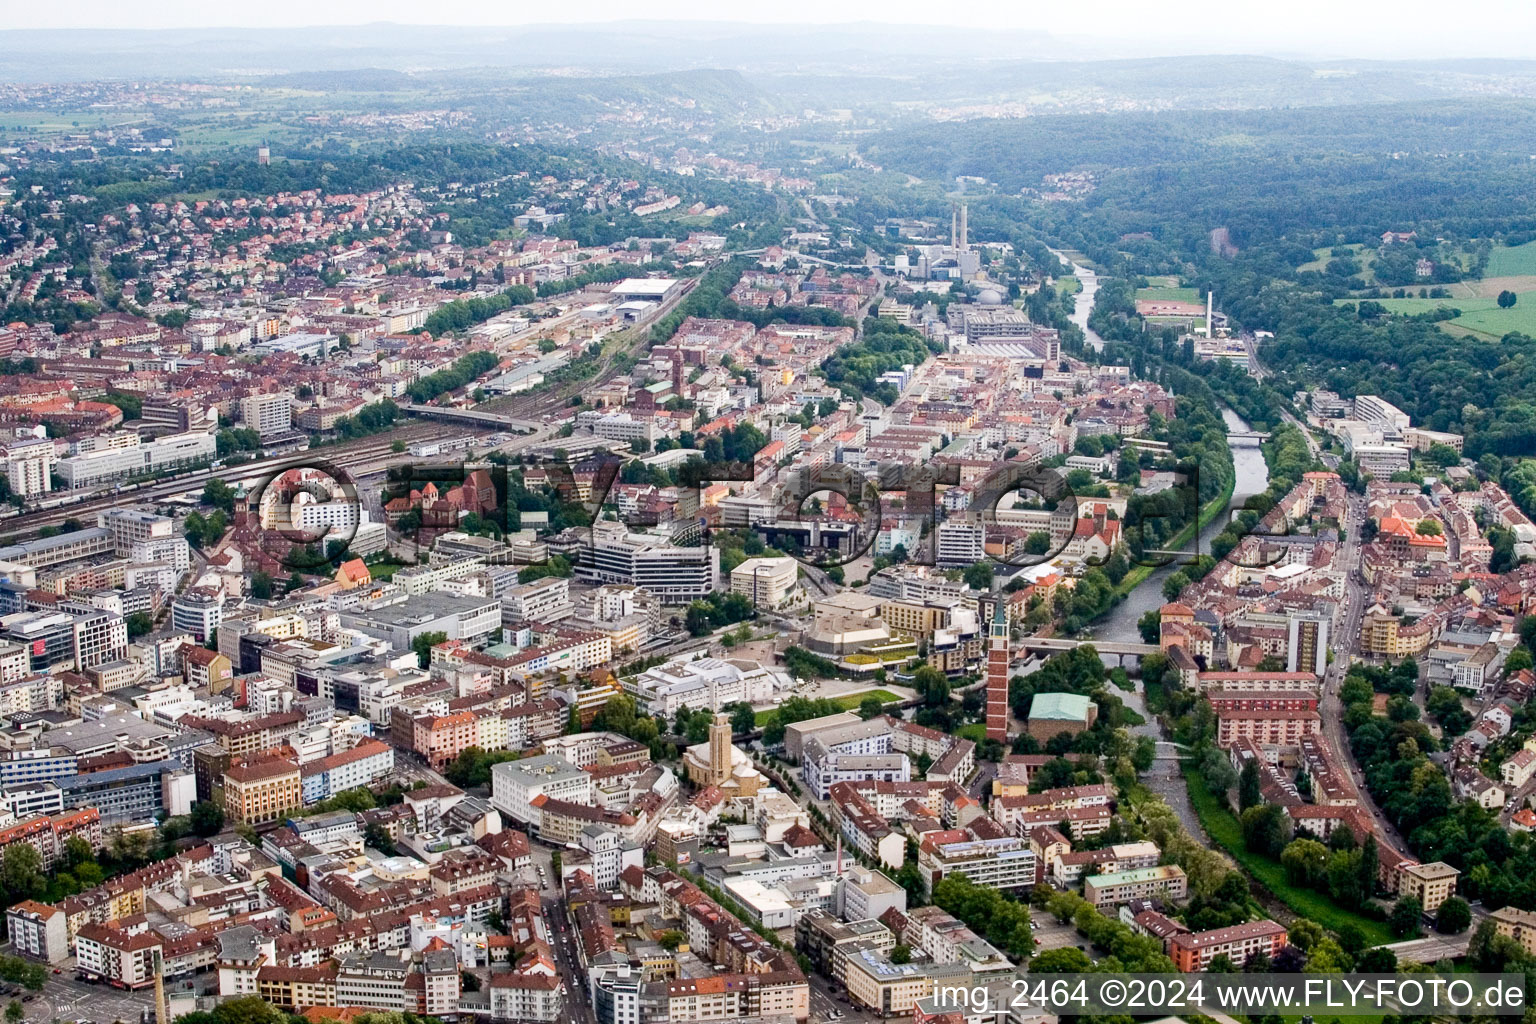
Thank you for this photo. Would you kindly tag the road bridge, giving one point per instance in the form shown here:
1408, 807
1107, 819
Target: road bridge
474, 416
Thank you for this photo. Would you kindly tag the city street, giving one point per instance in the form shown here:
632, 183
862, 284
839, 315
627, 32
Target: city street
1345, 641
562, 942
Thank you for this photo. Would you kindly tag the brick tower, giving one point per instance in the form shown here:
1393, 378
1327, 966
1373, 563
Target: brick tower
997, 673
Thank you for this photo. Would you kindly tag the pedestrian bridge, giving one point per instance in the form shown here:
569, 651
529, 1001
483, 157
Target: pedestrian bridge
1247, 438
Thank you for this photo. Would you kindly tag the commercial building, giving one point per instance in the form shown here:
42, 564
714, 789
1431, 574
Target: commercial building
174, 451
519, 788
400, 620
545, 600
262, 791
766, 582
73, 641
676, 575
134, 792
199, 611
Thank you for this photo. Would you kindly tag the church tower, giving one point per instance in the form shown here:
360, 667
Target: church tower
720, 748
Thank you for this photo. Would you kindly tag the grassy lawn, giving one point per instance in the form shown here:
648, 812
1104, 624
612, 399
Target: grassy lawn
1479, 316
1168, 294
1366, 257
973, 731
848, 702
1222, 826
1505, 261
384, 570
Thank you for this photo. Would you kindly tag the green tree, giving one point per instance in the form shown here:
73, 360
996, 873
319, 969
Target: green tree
1248, 792
378, 837
423, 645
870, 707
207, 818
1507, 299
261, 585
978, 575
1217, 772
1453, 916
21, 872
901, 954
743, 718
138, 624
1150, 626
14, 1011
1407, 915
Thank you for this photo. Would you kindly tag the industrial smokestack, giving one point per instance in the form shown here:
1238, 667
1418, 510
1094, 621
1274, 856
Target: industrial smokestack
1210, 308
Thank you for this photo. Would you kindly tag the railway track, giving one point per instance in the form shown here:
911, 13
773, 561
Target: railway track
345, 455
541, 403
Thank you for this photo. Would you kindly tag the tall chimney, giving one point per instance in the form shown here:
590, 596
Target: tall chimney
964, 235
1210, 323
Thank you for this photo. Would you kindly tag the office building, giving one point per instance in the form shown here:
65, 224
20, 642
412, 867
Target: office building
676, 575
766, 582
519, 788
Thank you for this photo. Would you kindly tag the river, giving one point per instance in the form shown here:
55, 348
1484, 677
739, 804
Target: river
1248, 462
1084, 300
1252, 478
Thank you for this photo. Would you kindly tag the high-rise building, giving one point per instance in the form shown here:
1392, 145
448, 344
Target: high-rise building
29, 466
1307, 643
268, 413
997, 674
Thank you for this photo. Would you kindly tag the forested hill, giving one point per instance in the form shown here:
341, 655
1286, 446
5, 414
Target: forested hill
1017, 153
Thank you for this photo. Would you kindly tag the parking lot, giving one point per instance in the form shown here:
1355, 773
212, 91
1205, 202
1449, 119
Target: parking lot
66, 998
1053, 935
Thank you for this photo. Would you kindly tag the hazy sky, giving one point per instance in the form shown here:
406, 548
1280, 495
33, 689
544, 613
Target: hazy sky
1402, 28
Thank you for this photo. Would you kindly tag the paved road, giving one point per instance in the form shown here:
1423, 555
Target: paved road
1346, 639
65, 998
578, 1004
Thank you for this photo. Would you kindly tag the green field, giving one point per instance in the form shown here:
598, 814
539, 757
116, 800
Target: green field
1168, 294
1320, 258
848, 702
1223, 827
1510, 262
1480, 317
